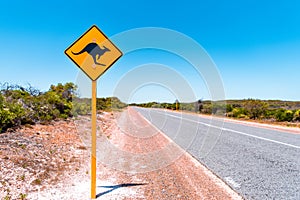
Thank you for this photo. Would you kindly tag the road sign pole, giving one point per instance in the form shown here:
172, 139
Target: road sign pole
88, 49
94, 132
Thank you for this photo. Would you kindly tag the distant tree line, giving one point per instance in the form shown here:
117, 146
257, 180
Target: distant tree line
206, 107
110, 104
27, 105
271, 110
265, 110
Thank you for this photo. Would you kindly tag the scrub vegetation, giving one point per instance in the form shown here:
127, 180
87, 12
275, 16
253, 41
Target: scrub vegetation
28, 105
255, 109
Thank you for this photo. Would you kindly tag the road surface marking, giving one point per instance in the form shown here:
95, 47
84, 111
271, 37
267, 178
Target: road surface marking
232, 182
234, 131
217, 180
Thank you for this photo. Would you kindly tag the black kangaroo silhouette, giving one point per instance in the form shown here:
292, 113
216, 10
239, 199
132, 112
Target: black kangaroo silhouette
94, 50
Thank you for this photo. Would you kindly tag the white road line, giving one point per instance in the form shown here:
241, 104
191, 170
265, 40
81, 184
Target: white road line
234, 131
218, 181
232, 182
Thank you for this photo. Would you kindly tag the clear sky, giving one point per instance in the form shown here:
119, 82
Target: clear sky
254, 44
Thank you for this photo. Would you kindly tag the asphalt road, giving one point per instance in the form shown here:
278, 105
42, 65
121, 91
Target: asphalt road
258, 163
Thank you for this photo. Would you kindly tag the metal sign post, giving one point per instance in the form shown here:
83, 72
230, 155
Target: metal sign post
94, 139
93, 53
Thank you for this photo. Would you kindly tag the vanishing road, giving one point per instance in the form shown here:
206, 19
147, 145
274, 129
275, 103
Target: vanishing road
258, 163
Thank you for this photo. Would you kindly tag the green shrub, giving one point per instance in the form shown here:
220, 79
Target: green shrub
256, 109
111, 103
6, 119
284, 115
279, 115
239, 112
229, 108
207, 109
81, 108
288, 115
19, 105
1, 101
296, 116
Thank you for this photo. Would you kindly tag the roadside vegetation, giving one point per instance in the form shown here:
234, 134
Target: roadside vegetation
28, 105
253, 109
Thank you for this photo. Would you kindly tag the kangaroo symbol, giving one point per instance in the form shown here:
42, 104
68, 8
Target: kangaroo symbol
94, 50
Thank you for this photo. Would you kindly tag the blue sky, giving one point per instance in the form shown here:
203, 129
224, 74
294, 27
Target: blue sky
254, 44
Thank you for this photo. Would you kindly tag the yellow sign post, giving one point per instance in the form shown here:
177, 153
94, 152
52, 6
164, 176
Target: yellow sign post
93, 53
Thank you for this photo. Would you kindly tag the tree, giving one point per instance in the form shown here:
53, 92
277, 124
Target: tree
199, 106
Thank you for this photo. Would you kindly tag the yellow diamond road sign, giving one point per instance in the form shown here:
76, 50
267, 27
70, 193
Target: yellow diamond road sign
93, 53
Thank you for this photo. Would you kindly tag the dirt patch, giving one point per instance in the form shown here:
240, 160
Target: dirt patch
53, 162
35, 159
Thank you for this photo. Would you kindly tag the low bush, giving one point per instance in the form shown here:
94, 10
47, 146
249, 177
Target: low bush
19, 105
296, 116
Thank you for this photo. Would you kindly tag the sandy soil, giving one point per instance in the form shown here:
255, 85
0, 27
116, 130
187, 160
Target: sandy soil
36, 160
52, 162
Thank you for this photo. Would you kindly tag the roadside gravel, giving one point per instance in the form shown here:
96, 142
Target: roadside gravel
180, 177
53, 162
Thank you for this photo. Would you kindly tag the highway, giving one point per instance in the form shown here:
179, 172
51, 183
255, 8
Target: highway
258, 163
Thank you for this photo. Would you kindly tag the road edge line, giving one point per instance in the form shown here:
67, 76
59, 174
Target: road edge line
216, 179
